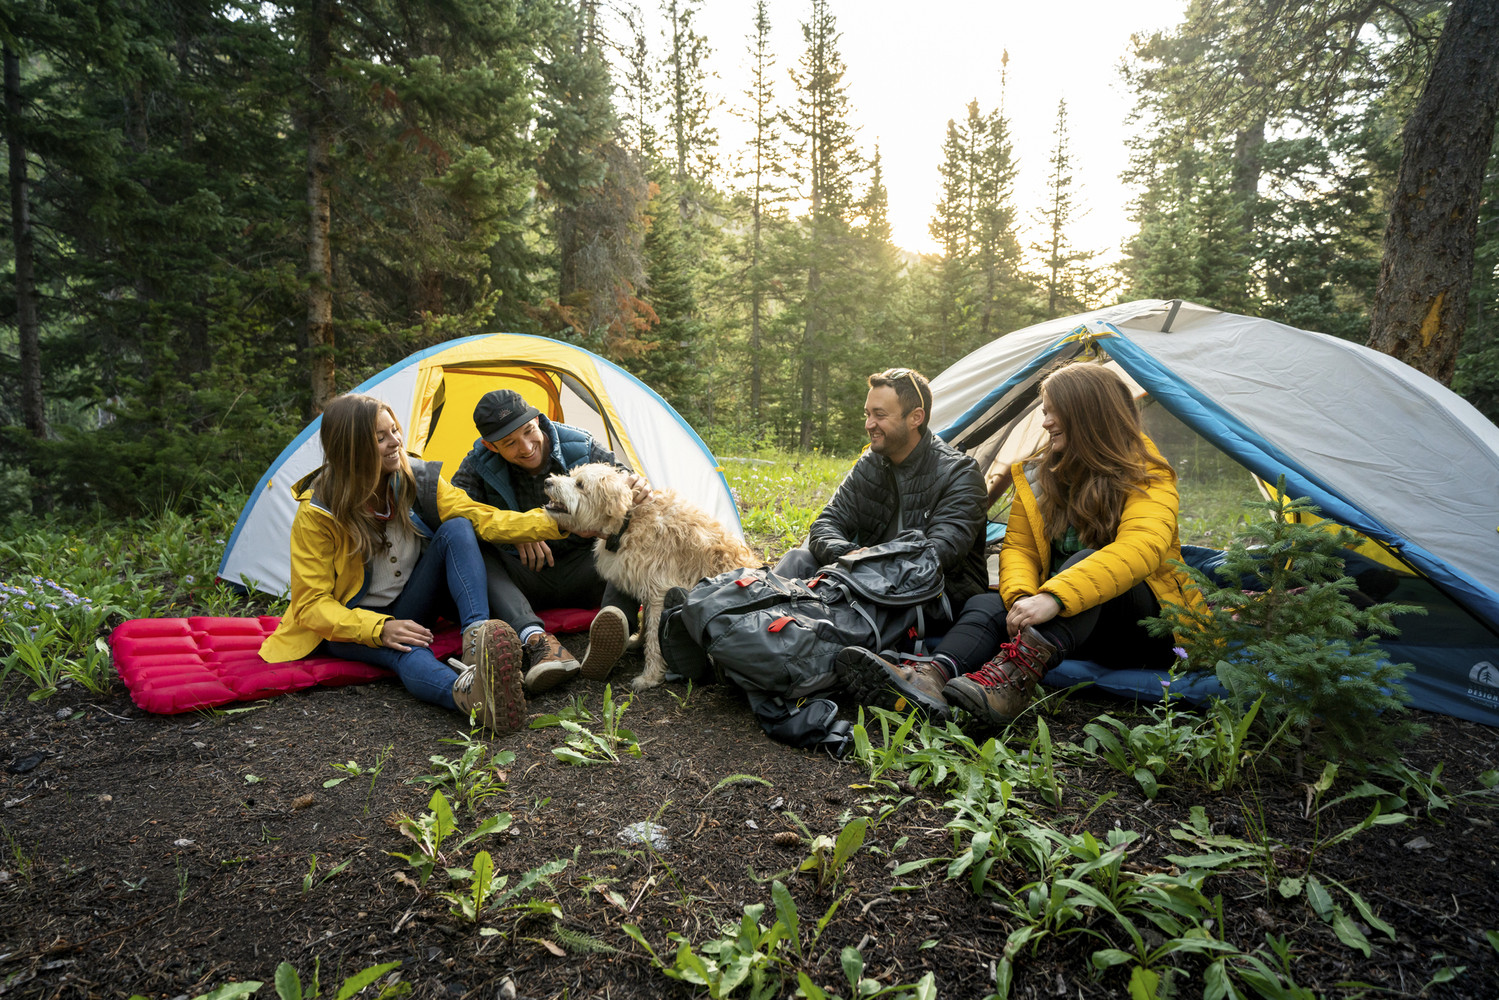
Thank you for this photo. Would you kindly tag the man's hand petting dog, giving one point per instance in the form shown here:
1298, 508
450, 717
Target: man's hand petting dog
658, 542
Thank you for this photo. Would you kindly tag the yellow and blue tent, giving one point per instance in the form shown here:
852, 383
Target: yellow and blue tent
434, 392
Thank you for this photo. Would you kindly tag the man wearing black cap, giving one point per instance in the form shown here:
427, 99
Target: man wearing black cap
517, 449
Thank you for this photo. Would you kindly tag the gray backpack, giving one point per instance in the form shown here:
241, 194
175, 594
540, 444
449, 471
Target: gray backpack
776, 637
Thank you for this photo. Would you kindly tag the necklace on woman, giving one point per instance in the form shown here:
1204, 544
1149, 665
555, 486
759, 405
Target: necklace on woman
385, 514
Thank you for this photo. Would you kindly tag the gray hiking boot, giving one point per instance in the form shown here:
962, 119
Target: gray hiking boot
488, 687
892, 681
548, 663
1002, 688
607, 637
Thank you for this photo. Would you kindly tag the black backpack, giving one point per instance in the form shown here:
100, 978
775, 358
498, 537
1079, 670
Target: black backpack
777, 637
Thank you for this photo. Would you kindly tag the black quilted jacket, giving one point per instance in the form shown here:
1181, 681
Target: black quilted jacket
937, 490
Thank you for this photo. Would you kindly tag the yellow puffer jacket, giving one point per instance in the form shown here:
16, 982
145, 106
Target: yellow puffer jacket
1143, 549
327, 573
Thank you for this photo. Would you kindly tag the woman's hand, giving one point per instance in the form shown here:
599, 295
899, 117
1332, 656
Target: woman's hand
640, 489
534, 555
1034, 610
401, 634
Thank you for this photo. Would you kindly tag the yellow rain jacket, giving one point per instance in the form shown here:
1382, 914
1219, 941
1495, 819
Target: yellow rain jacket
1144, 548
327, 574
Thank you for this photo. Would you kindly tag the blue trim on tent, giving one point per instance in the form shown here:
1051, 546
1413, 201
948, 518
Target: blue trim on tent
422, 355
1041, 360
1242, 443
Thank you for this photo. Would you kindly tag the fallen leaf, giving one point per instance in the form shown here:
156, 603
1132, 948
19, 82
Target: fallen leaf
549, 946
303, 801
1418, 844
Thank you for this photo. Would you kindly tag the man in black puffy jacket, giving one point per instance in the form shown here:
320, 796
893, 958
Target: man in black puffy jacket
908, 479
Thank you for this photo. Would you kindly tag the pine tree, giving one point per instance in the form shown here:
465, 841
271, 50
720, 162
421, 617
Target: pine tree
689, 129
761, 171
1284, 629
1063, 265
1001, 292
826, 162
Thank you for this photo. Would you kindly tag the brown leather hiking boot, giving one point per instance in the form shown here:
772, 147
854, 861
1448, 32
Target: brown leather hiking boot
892, 681
1002, 688
488, 687
548, 663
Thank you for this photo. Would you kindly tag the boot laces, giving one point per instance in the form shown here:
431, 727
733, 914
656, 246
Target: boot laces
1015, 652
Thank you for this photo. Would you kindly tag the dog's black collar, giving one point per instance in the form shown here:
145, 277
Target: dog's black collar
611, 543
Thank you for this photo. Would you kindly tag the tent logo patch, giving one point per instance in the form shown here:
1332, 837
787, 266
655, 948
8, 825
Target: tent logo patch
1485, 683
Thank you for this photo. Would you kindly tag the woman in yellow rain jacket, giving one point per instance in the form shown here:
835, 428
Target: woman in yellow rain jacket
381, 546
1088, 552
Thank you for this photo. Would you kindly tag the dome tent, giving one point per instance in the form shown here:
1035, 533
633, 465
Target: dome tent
434, 392
1378, 447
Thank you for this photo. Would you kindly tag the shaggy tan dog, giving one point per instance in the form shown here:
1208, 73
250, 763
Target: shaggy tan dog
647, 547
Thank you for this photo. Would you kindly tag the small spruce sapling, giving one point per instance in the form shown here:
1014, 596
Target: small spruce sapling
1284, 627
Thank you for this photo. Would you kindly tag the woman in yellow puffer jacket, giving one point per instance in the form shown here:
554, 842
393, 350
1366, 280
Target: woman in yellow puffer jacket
1089, 551
382, 545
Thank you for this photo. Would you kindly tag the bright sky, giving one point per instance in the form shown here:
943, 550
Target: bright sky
914, 65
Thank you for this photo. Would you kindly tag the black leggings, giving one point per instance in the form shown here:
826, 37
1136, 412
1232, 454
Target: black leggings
1109, 633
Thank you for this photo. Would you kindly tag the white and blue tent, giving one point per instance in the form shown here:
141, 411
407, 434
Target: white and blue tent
434, 392
1377, 445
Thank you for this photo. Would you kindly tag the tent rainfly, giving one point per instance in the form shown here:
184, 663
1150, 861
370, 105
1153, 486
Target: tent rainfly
435, 392
1377, 445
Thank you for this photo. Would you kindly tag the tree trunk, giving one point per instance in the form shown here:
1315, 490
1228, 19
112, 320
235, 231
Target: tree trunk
754, 338
28, 323
1246, 171
1426, 269
319, 206
809, 356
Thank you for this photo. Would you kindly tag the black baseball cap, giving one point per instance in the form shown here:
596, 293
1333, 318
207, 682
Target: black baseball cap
501, 413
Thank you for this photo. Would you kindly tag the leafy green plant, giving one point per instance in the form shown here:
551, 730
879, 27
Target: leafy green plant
748, 953
431, 830
289, 984
351, 769
310, 879
830, 856
585, 747
475, 776
487, 893
1294, 637
852, 963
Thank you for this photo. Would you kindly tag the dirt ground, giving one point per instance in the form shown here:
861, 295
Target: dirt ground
166, 856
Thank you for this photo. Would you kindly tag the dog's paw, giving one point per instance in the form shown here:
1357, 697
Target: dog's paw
643, 683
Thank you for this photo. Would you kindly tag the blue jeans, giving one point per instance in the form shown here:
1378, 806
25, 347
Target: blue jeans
449, 574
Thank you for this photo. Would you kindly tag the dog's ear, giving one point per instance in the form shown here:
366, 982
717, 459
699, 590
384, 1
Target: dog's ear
616, 497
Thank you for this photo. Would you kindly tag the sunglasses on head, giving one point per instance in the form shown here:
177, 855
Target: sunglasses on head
896, 374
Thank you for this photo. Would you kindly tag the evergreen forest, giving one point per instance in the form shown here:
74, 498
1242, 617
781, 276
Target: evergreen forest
221, 214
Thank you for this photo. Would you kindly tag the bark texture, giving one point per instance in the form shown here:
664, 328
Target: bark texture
28, 318
1426, 268
319, 205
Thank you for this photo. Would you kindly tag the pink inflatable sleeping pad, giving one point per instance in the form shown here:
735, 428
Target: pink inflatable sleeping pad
173, 665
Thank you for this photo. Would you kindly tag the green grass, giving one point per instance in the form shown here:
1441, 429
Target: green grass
780, 493
1212, 510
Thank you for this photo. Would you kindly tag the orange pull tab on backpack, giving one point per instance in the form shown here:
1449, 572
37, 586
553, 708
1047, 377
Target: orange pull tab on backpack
779, 623
744, 581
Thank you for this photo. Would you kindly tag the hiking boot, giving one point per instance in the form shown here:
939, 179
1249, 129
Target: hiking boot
607, 637
547, 663
892, 681
1002, 688
489, 686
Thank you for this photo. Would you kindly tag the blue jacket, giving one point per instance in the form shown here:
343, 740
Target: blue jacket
486, 477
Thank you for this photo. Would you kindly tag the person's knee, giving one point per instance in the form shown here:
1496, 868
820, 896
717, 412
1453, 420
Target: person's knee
457, 528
